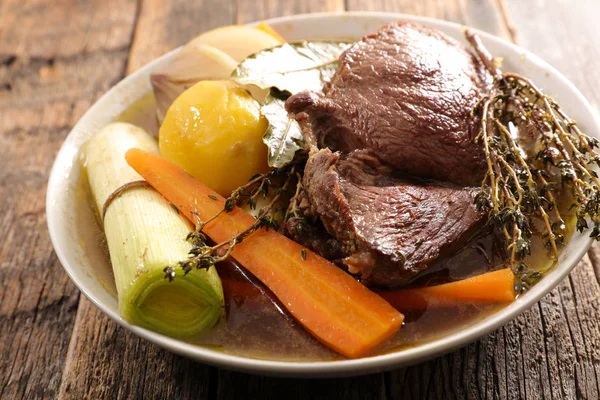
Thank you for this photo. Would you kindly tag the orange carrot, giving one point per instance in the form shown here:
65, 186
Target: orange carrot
339, 311
490, 288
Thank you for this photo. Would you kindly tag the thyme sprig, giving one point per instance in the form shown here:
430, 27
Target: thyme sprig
518, 187
203, 255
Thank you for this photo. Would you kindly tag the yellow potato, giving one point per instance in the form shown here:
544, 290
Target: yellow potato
214, 131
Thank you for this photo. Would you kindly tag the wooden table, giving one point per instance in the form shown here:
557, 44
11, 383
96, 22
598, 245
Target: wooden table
58, 57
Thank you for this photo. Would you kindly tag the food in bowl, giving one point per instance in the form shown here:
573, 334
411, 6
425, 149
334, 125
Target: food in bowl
410, 229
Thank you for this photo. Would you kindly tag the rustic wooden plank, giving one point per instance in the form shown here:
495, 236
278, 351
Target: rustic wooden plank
236, 386
108, 362
566, 35
256, 10
165, 25
483, 15
53, 63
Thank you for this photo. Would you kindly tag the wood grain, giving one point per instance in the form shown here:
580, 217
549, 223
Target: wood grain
107, 362
234, 386
55, 62
483, 15
164, 25
256, 10
566, 34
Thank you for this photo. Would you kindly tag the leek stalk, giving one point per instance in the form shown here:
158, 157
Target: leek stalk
144, 235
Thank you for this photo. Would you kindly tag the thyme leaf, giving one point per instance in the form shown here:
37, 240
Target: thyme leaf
517, 188
204, 255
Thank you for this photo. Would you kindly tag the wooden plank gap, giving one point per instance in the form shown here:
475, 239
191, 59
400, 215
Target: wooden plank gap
387, 390
28, 339
594, 254
507, 20
546, 352
71, 349
461, 11
132, 39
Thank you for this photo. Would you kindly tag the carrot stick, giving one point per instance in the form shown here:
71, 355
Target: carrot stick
339, 311
490, 288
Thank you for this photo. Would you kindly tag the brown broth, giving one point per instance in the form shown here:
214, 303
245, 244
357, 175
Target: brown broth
257, 325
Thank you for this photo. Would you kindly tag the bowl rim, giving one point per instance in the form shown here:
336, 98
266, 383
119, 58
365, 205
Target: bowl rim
345, 367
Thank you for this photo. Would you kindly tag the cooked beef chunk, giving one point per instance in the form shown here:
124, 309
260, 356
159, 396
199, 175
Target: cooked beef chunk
388, 228
305, 228
406, 93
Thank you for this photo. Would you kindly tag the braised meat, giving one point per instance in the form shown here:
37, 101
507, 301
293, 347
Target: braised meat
388, 228
390, 191
406, 93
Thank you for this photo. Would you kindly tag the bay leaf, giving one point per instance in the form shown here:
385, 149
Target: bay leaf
285, 70
283, 136
291, 67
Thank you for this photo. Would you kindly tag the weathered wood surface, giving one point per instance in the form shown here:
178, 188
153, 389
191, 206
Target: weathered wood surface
56, 59
54, 62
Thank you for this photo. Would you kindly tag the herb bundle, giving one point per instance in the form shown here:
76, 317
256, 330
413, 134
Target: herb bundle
519, 187
203, 255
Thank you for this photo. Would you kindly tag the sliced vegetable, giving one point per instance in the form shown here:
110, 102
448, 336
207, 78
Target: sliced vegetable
494, 287
337, 309
214, 131
144, 234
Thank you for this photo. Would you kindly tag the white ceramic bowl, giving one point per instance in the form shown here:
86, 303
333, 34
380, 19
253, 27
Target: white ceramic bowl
82, 257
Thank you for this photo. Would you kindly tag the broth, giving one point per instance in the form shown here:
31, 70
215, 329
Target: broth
258, 326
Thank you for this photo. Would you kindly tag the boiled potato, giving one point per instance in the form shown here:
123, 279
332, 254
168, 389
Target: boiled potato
214, 131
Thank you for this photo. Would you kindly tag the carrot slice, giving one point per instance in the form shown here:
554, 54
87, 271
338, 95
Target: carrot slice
494, 287
266, 28
339, 311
